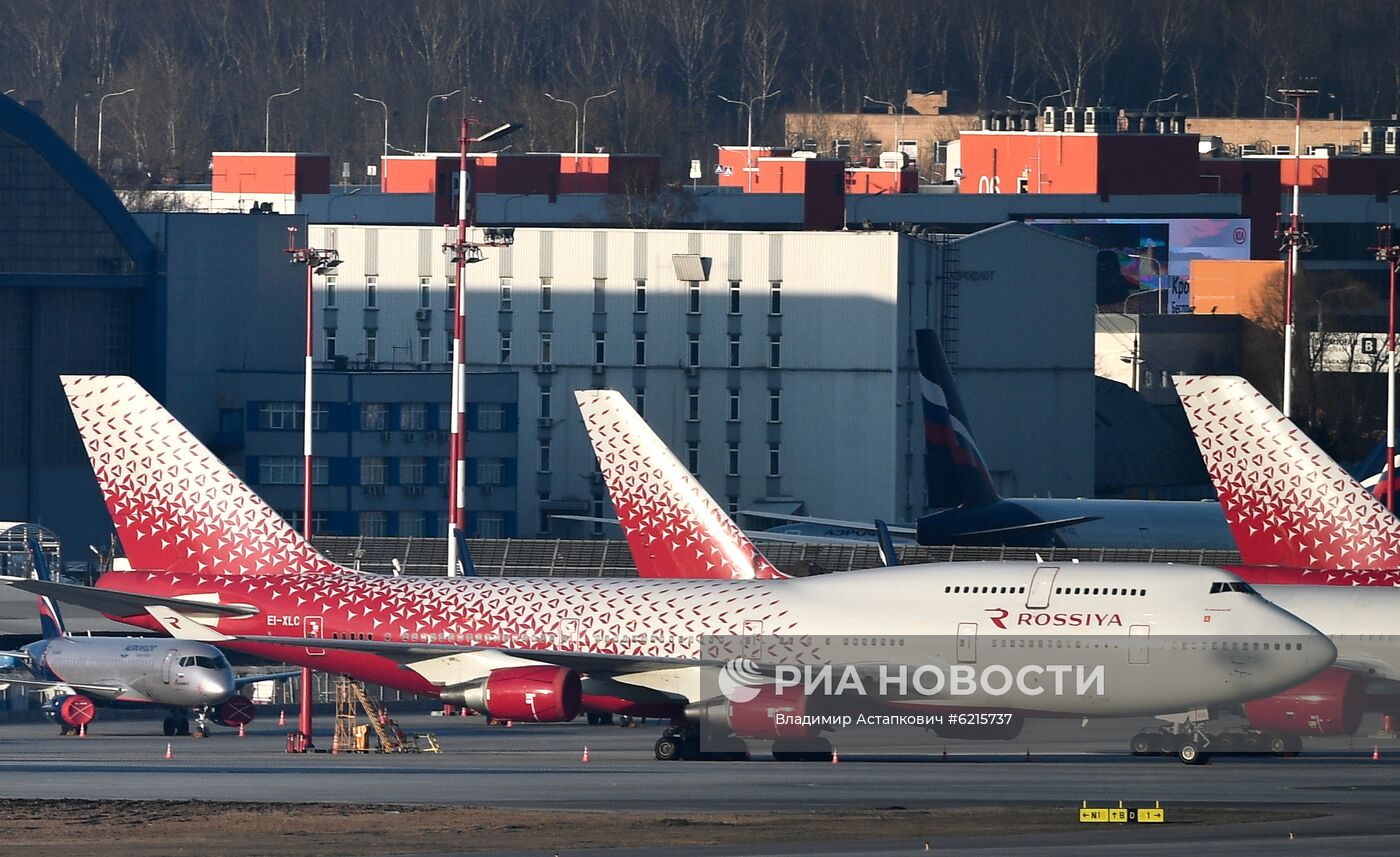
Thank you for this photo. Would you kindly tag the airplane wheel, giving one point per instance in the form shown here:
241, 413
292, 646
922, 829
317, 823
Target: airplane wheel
1253, 742
1225, 742
168, 727
667, 749
1276, 744
1145, 744
1191, 752
593, 718
182, 726
1294, 745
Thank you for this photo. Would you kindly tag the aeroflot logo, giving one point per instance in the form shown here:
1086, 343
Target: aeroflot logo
1000, 616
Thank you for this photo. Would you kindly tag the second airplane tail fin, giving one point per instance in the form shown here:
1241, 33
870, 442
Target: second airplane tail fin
954, 470
1286, 501
175, 505
50, 619
673, 526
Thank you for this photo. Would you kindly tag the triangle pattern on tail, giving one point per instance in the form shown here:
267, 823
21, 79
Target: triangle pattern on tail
1286, 501
674, 528
175, 505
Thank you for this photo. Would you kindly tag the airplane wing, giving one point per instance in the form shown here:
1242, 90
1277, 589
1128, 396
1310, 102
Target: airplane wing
121, 603
242, 681
755, 535
17, 655
866, 526
1032, 527
104, 690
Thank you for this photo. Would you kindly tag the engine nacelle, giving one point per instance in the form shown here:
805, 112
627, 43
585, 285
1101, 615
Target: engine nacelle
74, 710
235, 711
538, 694
762, 714
1331, 703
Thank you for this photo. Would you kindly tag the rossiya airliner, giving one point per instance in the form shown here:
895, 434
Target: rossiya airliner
215, 563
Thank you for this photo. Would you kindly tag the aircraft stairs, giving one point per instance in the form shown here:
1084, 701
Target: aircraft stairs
352, 736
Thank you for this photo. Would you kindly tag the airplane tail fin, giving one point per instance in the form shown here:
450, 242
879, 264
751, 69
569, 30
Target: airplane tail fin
175, 505
674, 528
1286, 501
954, 470
50, 619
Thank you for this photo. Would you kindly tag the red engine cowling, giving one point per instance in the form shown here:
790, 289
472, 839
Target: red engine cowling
235, 711
75, 711
1329, 704
770, 715
539, 694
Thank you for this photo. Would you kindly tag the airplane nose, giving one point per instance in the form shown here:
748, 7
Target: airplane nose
218, 687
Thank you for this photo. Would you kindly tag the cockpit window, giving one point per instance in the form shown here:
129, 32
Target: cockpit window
1232, 586
186, 662
206, 663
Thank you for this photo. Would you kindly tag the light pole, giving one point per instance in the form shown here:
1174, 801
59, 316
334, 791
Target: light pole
428, 114
584, 141
101, 102
386, 117
748, 150
267, 118
316, 262
76, 103
1341, 110
898, 117
576, 115
1387, 251
1294, 239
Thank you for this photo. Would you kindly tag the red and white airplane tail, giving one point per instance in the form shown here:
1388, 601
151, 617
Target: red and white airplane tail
674, 528
175, 505
1287, 502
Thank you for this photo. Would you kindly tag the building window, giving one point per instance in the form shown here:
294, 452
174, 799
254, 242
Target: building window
775, 460
280, 469
732, 505
597, 513
444, 468
692, 405
600, 349
775, 297
413, 525
319, 415
425, 348
330, 292
490, 416
490, 525
374, 416
280, 416
639, 354
733, 404
371, 292
413, 416
692, 457
451, 289
546, 519
775, 352
371, 347
505, 293
318, 521
734, 287
450, 345
425, 290
546, 348
374, 524
692, 350
413, 470
505, 347
639, 401
546, 404
733, 469
733, 351
546, 459
330, 346
373, 470
490, 471
692, 305
546, 294
775, 406
639, 299
600, 294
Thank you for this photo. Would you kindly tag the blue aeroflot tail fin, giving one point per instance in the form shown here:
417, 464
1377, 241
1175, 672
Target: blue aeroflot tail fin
464, 554
954, 470
50, 620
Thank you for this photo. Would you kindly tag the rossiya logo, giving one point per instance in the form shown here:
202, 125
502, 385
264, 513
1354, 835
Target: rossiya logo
999, 616
739, 680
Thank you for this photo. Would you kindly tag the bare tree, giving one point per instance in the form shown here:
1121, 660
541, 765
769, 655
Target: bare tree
1072, 38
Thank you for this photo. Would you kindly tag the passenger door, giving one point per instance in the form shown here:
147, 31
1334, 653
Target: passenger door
967, 642
1042, 584
1138, 638
312, 627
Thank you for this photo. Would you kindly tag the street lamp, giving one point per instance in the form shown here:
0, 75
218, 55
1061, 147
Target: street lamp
316, 262
1294, 238
101, 102
1341, 110
576, 114
428, 114
584, 141
748, 150
386, 117
267, 118
899, 117
77, 102
1387, 251
1148, 108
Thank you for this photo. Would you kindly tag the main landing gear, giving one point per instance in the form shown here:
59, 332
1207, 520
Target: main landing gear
178, 724
683, 743
1193, 746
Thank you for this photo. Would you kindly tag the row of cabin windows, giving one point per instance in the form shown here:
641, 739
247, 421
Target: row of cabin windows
1059, 590
1193, 645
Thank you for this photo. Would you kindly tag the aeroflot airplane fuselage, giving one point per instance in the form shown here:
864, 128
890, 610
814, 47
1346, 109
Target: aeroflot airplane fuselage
1167, 639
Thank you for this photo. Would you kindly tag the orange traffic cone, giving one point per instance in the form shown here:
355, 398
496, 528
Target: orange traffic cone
240, 730
835, 758
282, 717
169, 750
510, 723
1376, 753
585, 752
82, 730
335, 743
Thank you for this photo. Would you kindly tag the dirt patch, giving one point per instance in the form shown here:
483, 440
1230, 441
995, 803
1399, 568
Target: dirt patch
76, 828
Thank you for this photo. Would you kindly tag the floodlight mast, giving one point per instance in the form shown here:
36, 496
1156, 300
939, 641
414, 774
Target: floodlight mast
1294, 238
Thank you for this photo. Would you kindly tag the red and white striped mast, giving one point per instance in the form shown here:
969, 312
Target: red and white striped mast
457, 464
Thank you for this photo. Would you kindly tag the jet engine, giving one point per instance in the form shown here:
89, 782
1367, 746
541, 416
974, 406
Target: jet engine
72, 711
235, 711
760, 713
1329, 704
539, 694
